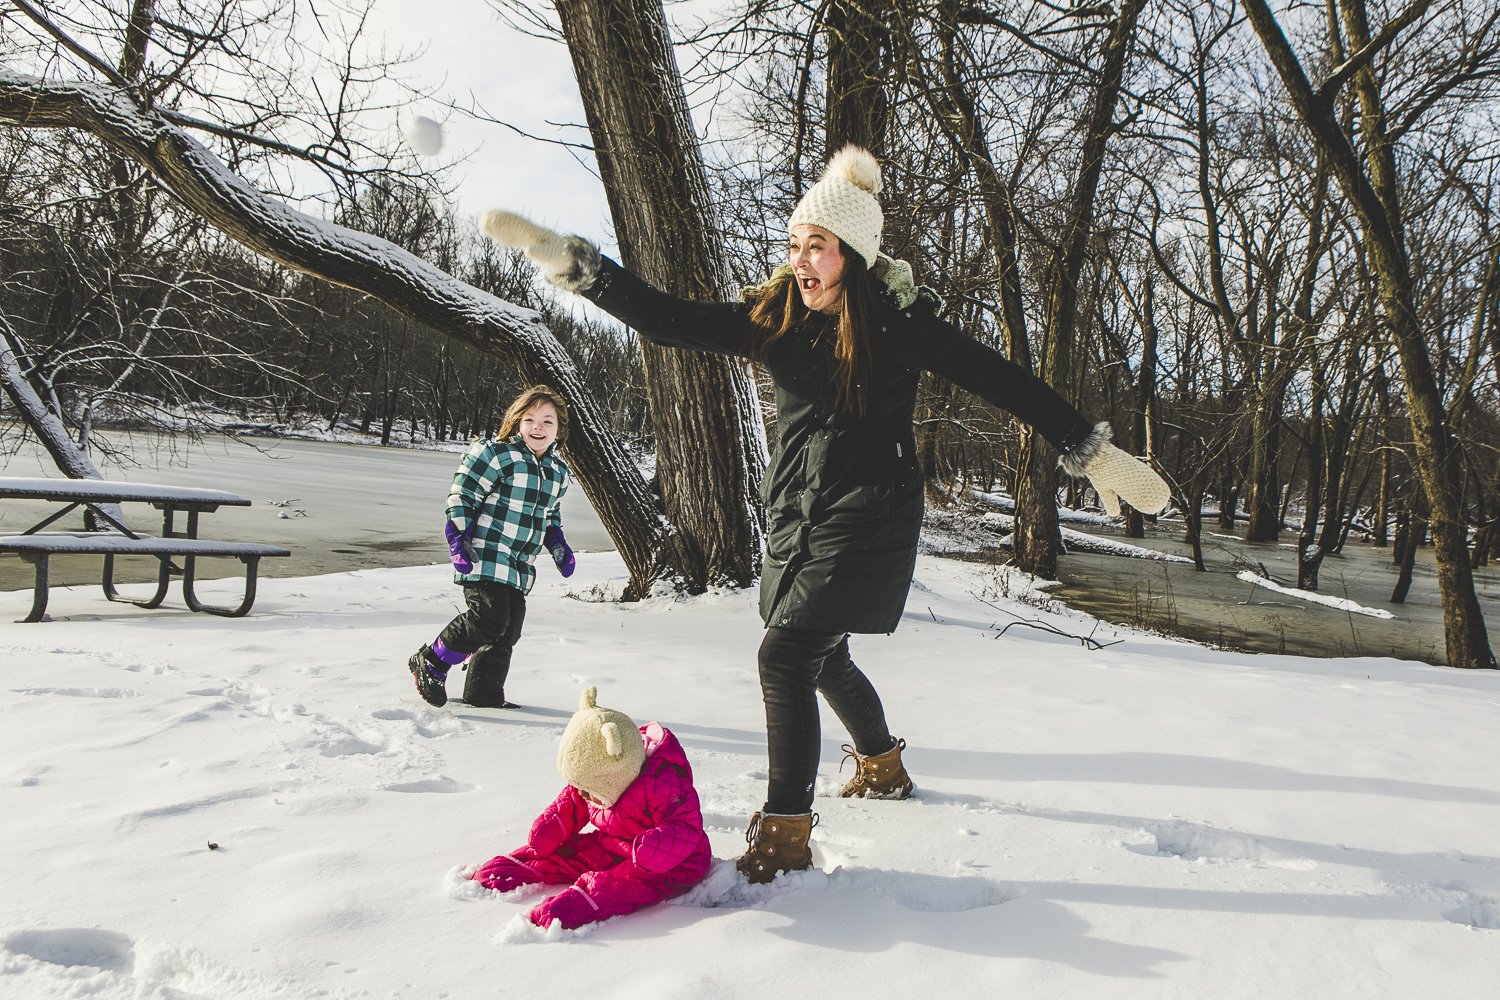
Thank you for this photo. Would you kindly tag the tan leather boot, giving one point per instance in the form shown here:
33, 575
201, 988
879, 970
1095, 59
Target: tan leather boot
879, 777
777, 844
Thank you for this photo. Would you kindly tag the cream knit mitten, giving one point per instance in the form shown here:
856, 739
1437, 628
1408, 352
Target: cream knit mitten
1116, 475
569, 262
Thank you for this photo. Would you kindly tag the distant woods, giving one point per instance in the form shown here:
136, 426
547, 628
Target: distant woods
1260, 239
131, 312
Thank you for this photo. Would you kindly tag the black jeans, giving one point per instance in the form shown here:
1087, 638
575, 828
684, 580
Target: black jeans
795, 666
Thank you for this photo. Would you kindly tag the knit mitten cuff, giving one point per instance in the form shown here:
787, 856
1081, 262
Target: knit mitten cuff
578, 267
1075, 461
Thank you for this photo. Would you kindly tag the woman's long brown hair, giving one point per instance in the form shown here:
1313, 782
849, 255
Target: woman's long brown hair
777, 307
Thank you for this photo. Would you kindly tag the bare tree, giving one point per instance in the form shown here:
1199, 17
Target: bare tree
129, 122
1367, 169
1062, 264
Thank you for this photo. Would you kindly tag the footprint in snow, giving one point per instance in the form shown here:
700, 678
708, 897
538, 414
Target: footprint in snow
76, 948
93, 961
79, 692
1479, 912
1192, 842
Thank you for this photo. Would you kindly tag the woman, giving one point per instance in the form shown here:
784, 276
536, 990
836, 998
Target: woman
845, 334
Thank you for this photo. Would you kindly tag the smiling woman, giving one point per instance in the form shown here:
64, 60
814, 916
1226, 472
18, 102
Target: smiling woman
845, 334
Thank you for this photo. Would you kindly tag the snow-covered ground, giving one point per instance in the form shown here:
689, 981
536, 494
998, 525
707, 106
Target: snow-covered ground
1153, 819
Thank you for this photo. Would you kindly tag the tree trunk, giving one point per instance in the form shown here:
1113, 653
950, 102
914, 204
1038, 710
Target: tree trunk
1408, 540
859, 64
1309, 553
1145, 395
1037, 541
1263, 496
710, 442
1192, 520
1372, 188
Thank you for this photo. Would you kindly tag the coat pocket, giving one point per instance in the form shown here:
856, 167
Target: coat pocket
864, 503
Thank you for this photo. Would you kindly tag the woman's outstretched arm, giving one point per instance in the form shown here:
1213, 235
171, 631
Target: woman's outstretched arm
575, 265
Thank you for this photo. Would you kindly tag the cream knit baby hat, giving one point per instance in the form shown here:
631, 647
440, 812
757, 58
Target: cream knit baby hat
601, 750
844, 203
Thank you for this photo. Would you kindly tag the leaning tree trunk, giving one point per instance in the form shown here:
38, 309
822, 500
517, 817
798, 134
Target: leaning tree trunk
710, 441
1372, 185
33, 411
367, 264
71, 460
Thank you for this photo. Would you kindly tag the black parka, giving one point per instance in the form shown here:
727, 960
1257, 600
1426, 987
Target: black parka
843, 494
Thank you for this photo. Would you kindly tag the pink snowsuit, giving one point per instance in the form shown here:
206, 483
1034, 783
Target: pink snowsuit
647, 847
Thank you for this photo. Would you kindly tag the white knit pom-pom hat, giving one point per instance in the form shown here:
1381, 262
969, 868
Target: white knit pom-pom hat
602, 751
844, 202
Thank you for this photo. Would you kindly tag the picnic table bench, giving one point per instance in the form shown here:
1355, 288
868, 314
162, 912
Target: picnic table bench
36, 545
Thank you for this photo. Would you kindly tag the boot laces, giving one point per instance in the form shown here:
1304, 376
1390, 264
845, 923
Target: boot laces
752, 832
848, 753
865, 768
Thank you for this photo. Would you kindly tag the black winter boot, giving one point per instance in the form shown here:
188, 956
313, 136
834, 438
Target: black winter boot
431, 675
484, 684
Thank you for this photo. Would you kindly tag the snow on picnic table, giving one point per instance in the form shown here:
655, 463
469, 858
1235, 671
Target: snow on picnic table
261, 807
112, 489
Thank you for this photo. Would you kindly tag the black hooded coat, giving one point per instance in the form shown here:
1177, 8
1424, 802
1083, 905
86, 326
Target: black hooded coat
843, 494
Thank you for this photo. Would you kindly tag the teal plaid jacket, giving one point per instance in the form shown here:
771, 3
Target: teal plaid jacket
524, 493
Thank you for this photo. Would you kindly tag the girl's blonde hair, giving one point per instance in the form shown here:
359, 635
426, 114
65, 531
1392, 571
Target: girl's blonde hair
511, 422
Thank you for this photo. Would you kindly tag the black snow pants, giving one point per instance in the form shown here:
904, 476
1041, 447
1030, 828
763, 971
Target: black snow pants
487, 630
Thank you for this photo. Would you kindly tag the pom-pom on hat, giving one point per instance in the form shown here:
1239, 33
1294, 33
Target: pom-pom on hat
601, 750
844, 203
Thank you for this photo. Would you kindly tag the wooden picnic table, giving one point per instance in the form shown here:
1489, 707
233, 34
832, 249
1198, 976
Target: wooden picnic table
36, 544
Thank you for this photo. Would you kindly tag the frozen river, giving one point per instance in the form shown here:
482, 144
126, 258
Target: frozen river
338, 507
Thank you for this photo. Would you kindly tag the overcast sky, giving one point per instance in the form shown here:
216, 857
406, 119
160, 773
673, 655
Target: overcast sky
522, 80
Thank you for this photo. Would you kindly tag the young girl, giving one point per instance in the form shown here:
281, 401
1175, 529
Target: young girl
502, 511
635, 786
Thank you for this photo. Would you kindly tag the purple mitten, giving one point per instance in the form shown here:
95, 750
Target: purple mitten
558, 546
572, 908
504, 873
458, 546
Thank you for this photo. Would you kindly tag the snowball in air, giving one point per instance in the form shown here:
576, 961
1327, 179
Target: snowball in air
424, 135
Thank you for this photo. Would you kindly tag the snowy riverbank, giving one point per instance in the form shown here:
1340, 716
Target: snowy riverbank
1153, 819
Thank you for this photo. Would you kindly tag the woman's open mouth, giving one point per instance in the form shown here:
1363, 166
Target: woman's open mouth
808, 284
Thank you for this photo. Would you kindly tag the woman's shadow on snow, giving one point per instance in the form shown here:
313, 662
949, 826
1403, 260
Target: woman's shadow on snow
868, 910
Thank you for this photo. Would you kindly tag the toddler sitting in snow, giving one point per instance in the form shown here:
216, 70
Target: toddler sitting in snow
634, 785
